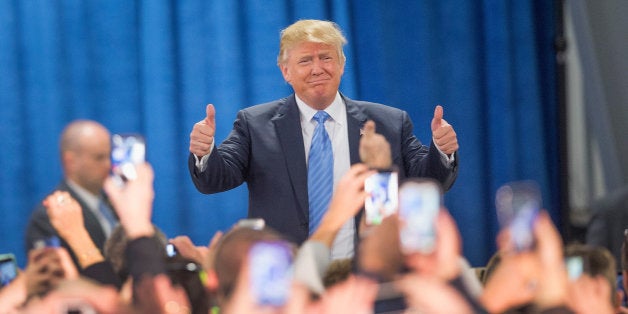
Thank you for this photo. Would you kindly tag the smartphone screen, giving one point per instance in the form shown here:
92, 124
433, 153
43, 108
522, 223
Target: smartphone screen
252, 223
127, 150
270, 272
419, 203
171, 250
383, 196
518, 204
8, 269
52, 241
574, 266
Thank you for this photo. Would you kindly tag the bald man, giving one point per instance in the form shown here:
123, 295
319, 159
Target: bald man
85, 148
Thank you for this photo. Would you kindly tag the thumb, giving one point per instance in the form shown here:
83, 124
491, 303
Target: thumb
438, 117
369, 128
210, 111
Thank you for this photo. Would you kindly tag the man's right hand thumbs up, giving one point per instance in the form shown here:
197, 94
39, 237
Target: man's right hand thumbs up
202, 135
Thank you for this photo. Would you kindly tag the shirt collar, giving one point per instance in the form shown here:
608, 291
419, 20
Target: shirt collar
90, 199
334, 110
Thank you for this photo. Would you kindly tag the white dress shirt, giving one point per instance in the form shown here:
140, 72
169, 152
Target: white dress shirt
92, 201
337, 130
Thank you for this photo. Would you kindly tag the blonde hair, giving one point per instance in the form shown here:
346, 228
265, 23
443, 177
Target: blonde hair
315, 31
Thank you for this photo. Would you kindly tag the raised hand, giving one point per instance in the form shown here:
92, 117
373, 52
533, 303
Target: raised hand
202, 135
374, 148
443, 133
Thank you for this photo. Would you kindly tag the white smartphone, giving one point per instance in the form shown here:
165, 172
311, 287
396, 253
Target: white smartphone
382, 201
127, 150
270, 272
252, 223
518, 204
419, 203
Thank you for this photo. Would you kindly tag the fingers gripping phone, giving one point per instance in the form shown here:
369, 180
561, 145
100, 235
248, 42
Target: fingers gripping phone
270, 272
419, 203
8, 269
127, 150
383, 191
518, 205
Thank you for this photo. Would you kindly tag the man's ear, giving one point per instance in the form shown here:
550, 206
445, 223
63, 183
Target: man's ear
284, 71
68, 160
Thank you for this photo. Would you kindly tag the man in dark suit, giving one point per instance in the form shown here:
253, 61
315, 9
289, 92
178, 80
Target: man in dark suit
85, 158
609, 222
269, 144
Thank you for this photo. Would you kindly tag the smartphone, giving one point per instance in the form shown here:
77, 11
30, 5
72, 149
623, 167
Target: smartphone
575, 267
127, 150
8, 269
252, 223
518, 205
419, 203
382, 201
270, 272
171, 250
52, 241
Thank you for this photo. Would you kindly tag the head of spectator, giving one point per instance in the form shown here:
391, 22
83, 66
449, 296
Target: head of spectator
599, 264
189, 275
115, 248
85, 148
338, 271
231, 251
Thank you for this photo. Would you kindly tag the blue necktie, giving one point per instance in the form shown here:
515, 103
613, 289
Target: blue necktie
106, 212
320, 172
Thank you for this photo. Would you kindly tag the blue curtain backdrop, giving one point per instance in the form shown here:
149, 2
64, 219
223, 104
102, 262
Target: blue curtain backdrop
152, 66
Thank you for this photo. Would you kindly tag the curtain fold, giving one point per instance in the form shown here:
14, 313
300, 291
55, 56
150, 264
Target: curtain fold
152, 67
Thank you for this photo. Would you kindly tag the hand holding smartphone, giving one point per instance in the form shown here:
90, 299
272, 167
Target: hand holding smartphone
419, 203
127, 150
8, 269
270, 272
382, 202
518, 205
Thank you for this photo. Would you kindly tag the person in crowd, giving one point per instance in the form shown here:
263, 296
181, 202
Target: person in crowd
66, 216
292, 152
231, 251
145, 257
85, 150
593, 279
608, 222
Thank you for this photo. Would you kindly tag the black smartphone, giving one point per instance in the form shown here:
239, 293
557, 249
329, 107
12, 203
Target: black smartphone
382, 201
270, 272
419, 203
518, 204
8, 269
127, 150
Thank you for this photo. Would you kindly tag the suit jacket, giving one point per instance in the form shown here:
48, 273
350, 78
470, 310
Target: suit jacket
265, 149
609, 220
39, 226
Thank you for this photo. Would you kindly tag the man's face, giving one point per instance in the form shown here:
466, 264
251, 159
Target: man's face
314, 71
92, 162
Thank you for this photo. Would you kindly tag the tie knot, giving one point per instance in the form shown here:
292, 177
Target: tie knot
321, 117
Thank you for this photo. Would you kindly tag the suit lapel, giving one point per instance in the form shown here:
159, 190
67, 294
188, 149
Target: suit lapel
89, 219
355, 121
288, 129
